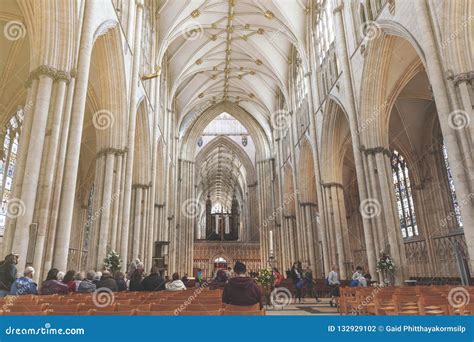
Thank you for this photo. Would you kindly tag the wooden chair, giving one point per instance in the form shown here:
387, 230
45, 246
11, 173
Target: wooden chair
141, 307
27, 313
197, 307
163, 307
85, 308
64, 309
155, 313
112, 313
202, 313
226, 312
24, 308
229, 307
430, 305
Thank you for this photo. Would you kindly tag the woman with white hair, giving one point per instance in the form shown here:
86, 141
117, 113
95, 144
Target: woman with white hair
25, 285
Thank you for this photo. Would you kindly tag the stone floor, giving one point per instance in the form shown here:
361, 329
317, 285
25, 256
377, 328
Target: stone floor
307, 307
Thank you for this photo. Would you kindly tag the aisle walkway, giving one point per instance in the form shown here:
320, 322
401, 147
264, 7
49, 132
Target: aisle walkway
307, 307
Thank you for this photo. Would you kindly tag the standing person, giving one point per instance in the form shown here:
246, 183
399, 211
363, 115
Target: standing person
308, 281
334, 283
68, 279
52, 285
298, 282
277, 277
153, 282
8, 273
242, 290
25, 285
199, 278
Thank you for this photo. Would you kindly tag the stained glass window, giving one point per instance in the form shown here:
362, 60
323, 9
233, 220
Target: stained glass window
9, 139
452, 191
403, 193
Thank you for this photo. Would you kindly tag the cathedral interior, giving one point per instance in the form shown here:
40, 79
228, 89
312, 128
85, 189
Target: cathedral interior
198, 133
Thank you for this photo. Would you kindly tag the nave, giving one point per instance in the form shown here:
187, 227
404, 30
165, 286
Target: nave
306, 136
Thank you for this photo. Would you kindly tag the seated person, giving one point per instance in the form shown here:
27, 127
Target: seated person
176, 284
107, 282
25, 285
87, 285
242, 290
153, 282
52, 284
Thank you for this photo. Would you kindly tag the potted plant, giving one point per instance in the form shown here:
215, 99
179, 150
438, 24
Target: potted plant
112, 262
386, 267
265, 279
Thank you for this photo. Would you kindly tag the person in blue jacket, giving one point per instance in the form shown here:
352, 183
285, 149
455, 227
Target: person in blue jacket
25, 285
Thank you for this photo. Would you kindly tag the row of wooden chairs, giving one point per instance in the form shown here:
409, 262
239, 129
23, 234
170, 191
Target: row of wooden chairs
422, 300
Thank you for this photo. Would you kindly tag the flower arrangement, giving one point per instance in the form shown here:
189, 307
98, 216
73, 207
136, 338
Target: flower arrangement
113, 262
385, 263
265, 277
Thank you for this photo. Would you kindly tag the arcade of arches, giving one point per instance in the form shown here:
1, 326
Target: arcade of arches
197, 133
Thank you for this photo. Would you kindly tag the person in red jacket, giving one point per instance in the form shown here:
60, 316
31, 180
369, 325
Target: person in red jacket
242, 290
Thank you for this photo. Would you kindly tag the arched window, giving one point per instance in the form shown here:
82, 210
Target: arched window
301, 90
324, 28
402, 185
452, 191
9, 138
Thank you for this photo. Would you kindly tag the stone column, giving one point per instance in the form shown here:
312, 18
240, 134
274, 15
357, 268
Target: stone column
33, 160
137, 225
456, 159
107, 202
342, 52
47, 177
131, 128
117, 195
74, 141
